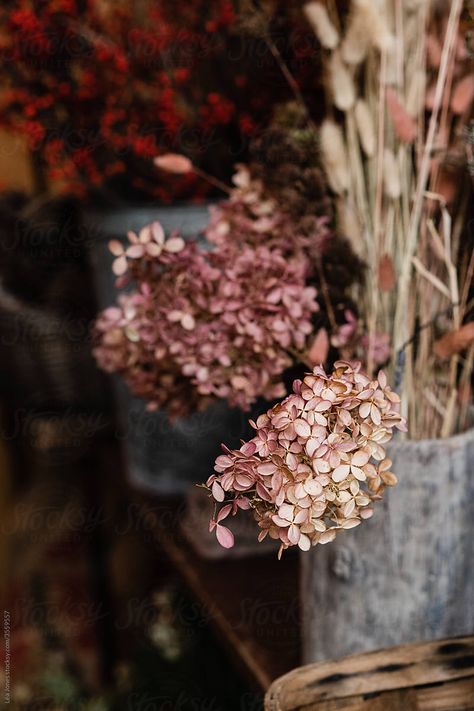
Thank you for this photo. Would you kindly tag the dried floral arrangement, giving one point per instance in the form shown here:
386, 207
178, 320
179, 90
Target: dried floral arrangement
317, 462
394, 152
395, 155
400, 88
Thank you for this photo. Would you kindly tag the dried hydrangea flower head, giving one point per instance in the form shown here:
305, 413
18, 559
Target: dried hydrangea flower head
317, 462
150, 242
252, 216
204, 324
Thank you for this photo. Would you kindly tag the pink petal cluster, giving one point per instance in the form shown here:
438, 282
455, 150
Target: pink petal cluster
204, 324
350, 340
250, 216
149, 243
317, 462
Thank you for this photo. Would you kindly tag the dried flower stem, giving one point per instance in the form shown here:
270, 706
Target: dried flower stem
377, 211
397, 185
325, 293
212, 180
291, 81
449, 43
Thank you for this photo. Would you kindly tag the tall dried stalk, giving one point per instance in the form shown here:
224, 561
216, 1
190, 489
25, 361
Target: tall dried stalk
391, 180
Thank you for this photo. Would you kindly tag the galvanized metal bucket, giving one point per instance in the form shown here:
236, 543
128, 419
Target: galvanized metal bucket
407, 574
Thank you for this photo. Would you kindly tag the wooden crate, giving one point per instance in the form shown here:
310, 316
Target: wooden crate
433, 676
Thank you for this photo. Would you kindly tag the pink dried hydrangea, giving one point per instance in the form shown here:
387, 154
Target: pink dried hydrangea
249, 216
202, 325
350, 341
317, 462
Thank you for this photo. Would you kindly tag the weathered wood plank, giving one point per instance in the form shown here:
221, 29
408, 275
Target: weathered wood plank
252, 603
404, 700
451, 696
365, 675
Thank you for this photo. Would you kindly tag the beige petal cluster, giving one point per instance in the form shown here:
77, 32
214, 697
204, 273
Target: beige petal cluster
317, 462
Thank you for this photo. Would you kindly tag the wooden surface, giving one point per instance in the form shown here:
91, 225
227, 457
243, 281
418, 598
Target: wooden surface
253, 603
433, 676
15, 166
407, 574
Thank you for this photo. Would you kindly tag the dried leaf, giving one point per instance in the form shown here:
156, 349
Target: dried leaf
433, 50
224, 512
327, 537
403, 124
318, 352
302, 428
174, 244
350, 523
218, 491
188, 322
430, 97
174, 163
224, 536
119, 266
387, 279
116, 247
447, 184
463, 95
389, 478
454, 341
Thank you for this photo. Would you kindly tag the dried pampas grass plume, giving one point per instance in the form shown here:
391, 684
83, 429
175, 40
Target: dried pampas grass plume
342, 85
349, 226
367, 28
334, 155
415, 101
318, 18
355, 44
415, 5
391, 175
365, 127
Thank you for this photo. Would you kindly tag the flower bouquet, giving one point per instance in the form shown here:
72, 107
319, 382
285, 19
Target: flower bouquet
394, 149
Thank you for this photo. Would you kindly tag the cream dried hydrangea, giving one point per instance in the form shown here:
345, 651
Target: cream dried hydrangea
317, 462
